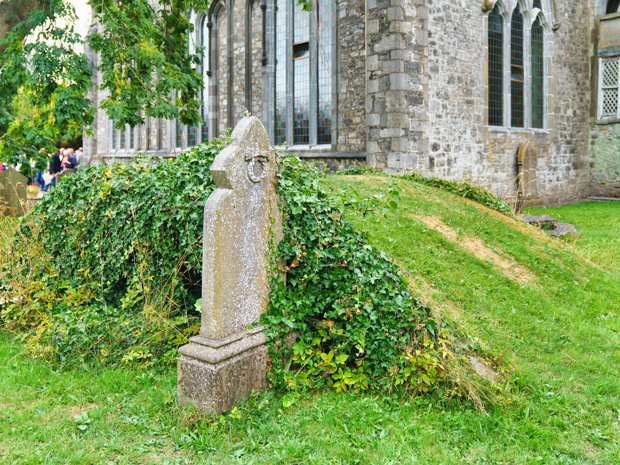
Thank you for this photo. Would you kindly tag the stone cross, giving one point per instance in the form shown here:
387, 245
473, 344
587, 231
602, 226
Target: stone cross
228, 359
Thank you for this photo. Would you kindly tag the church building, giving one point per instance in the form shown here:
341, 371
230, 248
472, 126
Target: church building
517, 96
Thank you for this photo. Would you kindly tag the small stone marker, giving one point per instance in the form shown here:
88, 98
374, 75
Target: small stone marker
13, 193
229, 359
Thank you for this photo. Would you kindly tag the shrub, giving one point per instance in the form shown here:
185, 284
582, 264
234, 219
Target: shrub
107, 270
116, 263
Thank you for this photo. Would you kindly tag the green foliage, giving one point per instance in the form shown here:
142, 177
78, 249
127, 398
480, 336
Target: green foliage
44, 82
145, 58
344, 317
109, 263
464, 190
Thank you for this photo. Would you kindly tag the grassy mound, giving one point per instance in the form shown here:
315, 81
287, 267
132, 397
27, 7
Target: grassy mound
106, 270
556, 328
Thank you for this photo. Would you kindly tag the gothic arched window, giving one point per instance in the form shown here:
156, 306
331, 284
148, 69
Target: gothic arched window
496, 68
538, 74
516, 66
517, 72
303, 68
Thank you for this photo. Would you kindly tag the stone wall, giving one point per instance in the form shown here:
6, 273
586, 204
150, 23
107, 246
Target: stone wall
462, 147
351, 83
605, 163
396, 103
238, 52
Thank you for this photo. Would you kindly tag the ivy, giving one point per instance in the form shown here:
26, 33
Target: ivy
464, 190
107, 269
344, 317
108, 266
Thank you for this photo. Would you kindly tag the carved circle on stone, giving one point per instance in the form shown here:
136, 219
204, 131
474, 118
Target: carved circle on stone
257, 166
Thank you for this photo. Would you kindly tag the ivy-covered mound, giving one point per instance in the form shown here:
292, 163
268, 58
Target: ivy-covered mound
107, 270
344, 317
108, 266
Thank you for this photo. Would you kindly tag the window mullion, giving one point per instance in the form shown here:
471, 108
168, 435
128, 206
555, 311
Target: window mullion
618, 92
314, 72
507, 72
527, 72
290, 81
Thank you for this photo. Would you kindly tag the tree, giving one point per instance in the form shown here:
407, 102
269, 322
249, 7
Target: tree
43, 86
145, 61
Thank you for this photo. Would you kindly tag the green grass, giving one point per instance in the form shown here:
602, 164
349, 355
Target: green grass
599, 228
557, 336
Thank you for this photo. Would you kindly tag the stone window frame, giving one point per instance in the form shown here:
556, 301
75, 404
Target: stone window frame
196, 40
530, 15
116, 136
312, 147
602, 56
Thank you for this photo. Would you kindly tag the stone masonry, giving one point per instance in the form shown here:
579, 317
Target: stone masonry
410, 94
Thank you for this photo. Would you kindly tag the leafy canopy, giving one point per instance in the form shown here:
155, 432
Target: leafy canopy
43, 85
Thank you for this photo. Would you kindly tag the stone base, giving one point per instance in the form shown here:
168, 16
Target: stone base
216, 374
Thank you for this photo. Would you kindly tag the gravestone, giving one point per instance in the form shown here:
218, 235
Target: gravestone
527, 176
13, 193
229, 359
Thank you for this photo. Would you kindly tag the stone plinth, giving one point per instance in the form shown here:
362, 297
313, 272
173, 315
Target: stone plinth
228, 359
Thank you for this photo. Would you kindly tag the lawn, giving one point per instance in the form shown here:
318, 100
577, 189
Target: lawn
549, 310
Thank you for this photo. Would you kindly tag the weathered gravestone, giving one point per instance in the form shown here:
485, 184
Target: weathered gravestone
13, 193
229, 359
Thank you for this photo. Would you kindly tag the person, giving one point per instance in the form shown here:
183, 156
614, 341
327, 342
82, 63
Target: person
68, 161
55, 166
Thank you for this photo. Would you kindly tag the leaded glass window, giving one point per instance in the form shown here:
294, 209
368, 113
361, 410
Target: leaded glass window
122, 139
113, 134
301, 76
325, 73
517, 75
496, 68
178, 135
192, 136
303, 98
280, 103
613, 6
609, 84
516, 71
538, 74
204, 43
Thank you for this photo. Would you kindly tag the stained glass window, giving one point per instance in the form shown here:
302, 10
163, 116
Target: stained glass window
537, 4
325, 73
280, 110
517, 76
301, 76
538, 74
178, 139
496, 68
